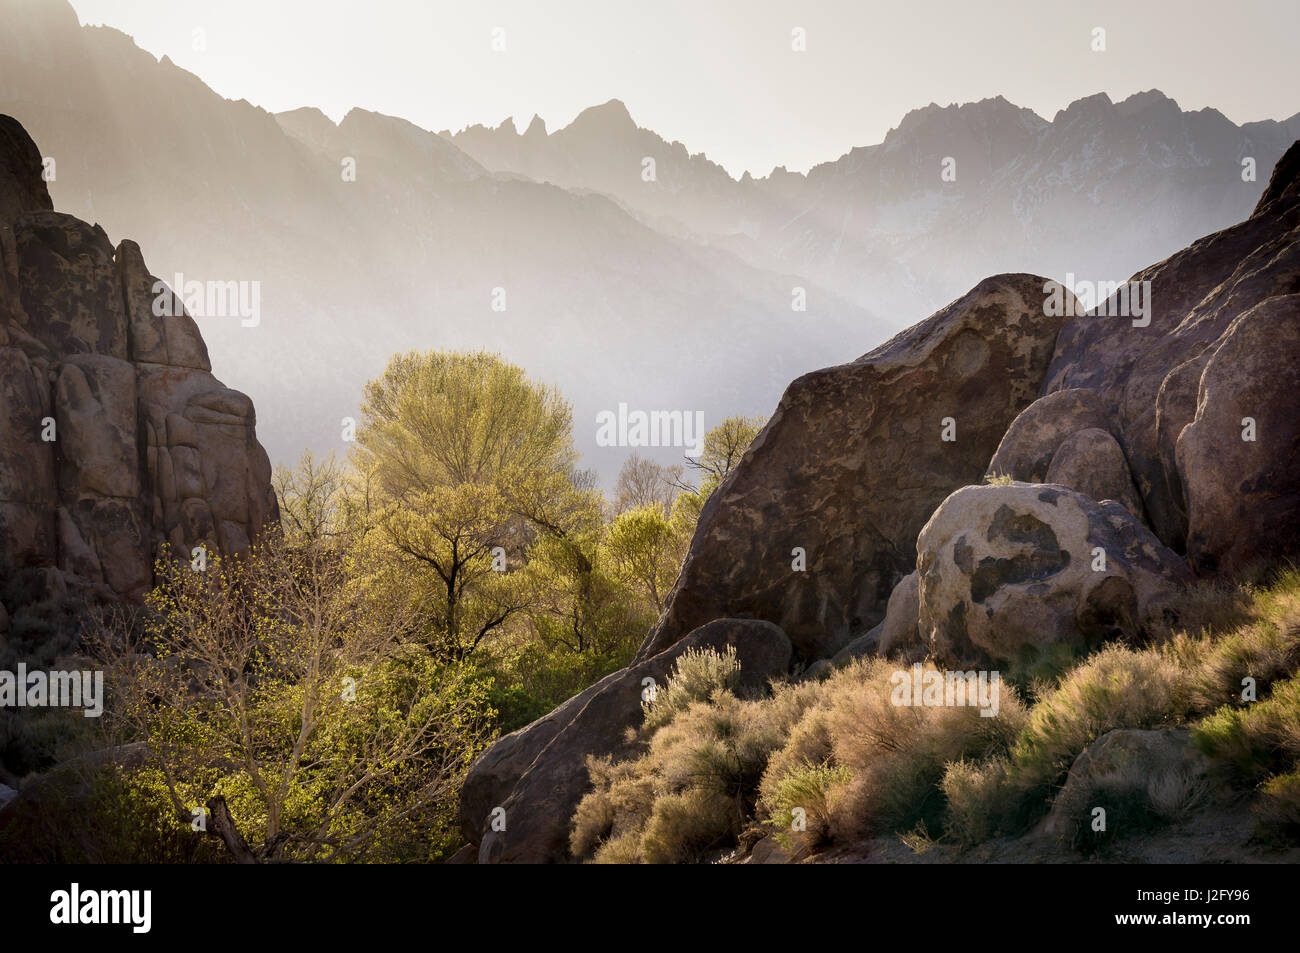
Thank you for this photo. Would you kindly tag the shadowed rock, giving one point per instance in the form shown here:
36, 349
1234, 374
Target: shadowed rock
116, 436
1240, 457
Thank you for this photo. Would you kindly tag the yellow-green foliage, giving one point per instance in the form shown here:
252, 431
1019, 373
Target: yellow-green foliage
1259, 739
112, 816
698, 674
808, 788
269, 681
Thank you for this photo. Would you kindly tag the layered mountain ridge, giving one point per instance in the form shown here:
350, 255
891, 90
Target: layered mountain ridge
433, 233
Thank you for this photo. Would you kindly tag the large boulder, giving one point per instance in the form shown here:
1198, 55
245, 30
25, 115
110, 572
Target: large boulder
116, 438
538, 779
851, 465
1092, 462
1008, 572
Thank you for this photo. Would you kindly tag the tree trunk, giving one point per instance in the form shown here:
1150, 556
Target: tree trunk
222, 825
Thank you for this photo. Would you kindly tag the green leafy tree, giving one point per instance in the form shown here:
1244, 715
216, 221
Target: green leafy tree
469, 459
646, 550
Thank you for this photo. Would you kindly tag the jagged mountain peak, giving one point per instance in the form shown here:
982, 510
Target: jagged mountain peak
1098, 104
609, 117
1148, 99
537, 127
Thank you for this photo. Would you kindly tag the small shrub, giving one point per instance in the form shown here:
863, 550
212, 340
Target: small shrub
808, 786
697, 675
977, 796
685, 824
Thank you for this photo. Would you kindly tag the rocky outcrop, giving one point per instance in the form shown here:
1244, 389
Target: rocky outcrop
539, 774
851, 465
1007, 572
116, 437
1239, 458
898, 633
1150, 379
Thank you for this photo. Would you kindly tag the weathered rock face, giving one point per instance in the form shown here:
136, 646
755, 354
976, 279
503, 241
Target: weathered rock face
1008, 571
1150, 381
1239, 459
851, 465
538, 774
116, 437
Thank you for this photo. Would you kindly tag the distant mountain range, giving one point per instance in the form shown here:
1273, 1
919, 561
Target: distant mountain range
672, 294
1099, 191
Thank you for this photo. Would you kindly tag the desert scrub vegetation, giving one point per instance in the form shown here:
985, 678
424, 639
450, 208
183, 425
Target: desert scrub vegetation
693, 788
697, 675
837, 762
1229, 673
714, 763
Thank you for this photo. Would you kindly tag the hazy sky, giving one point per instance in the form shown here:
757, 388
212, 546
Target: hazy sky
721, 76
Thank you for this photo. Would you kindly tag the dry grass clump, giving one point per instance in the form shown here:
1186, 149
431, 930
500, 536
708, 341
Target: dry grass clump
1258, 638
1256, 741
692, 790
898, 753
